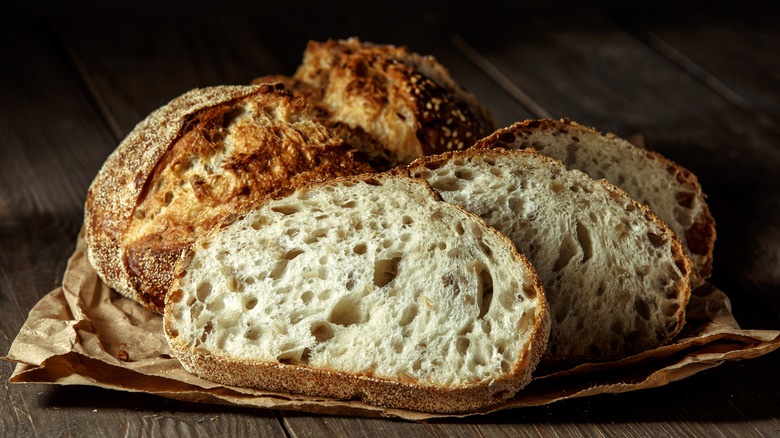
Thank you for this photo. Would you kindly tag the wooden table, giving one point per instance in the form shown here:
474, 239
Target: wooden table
701, 87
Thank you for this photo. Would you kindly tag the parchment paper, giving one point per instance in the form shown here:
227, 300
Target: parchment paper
84, 333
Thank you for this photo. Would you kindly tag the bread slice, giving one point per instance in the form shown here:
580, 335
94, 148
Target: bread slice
390, 103
671, 191
207, 154
368, 288
616, 277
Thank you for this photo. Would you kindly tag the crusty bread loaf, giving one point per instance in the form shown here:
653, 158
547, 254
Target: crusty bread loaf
205, 155
368, 287
616, 277
671, 191
390, 103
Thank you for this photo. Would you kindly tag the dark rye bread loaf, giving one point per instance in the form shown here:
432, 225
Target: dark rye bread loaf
671, 191
392, 104
204, 156
366, 287
616, 277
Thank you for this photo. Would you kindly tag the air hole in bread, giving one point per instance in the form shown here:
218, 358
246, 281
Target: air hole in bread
203, 291
557, 187
408, 315
250, 303
462, 345
206, 331
322, 331
292, 357
168, 198
307, 296
279, 269
349, 204
233, 284
565, 253
324, 294
642, 308
385, 271
464, 173
484, 289
449, 184
586, 242
286, 209
459, 229
407, 220
657, 240
359, 249
347, 311
222, 256
516, 204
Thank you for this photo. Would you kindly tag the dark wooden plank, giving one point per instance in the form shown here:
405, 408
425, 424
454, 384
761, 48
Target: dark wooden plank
54, 141
732, 50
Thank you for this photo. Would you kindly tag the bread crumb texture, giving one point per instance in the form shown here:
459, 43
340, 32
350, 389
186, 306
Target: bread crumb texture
616, 278
369, 277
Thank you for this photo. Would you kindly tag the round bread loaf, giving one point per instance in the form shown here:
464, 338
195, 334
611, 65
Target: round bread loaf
390, 103
204, 156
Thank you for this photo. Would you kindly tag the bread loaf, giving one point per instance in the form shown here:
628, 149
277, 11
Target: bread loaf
367, 287
204, 156
390, 103
616, 277
671, 191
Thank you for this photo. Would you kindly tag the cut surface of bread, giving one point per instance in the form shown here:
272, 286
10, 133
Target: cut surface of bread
672, 192
616, 278
205, 155
390, 103
365, 287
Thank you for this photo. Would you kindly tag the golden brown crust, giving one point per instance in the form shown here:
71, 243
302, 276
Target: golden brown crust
699, 238
402, 105
206, 155
396, 393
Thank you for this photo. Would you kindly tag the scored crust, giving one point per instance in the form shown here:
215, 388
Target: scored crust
204, 156
397, 392
390, 103
617, 160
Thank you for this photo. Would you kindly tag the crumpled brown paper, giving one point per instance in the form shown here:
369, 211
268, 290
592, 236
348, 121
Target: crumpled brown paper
84, 333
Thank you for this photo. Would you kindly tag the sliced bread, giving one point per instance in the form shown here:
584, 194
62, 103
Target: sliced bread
616, 277
369, 287
671, 191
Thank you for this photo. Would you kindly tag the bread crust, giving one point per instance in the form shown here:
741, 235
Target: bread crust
146, 205
399, 105
396, 393
698, 238
682, 261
